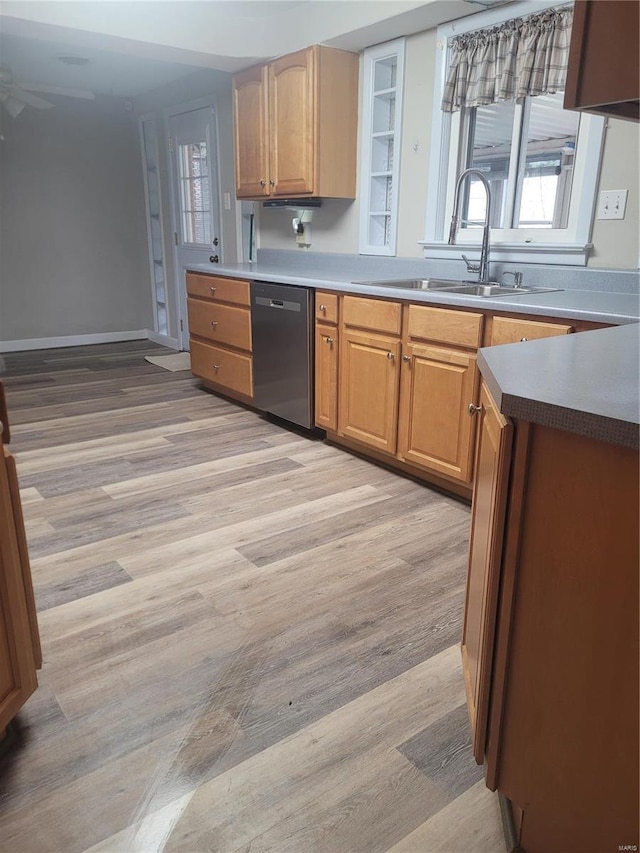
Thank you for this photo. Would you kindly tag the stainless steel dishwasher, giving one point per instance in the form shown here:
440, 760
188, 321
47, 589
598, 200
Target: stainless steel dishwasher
281, 326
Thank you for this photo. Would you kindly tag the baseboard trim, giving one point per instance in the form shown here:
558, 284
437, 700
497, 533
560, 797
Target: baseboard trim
163, 340
74, 340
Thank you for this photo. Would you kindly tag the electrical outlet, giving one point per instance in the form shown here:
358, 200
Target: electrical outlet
612, 204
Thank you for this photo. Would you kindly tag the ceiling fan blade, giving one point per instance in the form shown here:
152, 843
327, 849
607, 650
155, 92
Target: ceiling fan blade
58, 90
27, 98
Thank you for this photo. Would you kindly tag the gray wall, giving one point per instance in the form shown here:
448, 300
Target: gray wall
335, 226
73, 251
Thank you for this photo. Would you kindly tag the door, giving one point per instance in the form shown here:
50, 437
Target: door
195, 199
436, 432
292, 123
483, 574
369, 386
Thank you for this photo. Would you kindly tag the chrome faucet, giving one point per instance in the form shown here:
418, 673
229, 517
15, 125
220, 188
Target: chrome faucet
483, 267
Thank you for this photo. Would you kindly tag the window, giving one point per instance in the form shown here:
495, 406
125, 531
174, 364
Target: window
195, 196
541, 163
380, 153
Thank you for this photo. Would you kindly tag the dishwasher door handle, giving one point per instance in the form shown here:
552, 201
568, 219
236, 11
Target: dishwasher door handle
281, 304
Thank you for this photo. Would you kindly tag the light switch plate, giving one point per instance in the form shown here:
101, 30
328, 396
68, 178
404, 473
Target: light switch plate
612, 204
227, 201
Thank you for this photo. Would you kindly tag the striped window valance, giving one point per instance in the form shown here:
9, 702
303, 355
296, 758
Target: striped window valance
523, 56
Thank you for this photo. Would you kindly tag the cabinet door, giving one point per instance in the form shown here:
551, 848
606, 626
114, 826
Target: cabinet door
436, 431
292, 124
369, 384
17, 664
326, 376
251, 133
485, 549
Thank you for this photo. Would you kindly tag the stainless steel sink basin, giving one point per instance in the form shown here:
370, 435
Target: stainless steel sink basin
484, 289
416, 283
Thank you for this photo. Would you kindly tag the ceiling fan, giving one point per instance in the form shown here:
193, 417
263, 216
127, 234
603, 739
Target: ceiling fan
15, 95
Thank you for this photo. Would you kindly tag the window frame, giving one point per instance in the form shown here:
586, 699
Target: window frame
371, 56
569, 245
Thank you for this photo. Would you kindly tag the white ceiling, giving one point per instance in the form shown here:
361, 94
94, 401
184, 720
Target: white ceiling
136, 46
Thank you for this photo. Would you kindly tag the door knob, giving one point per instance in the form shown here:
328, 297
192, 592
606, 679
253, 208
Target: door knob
214, 259
215, 241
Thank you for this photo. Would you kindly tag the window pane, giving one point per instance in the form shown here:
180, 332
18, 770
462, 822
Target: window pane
489, 150
548, 170
195, 193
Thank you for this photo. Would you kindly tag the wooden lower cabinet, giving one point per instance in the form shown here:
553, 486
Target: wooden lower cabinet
20, 654
220, 333
483, 574
551, 634
436, 430
326, 376
368, 388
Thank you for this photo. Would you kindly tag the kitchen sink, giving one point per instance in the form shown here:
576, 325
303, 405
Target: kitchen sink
484, 289
416, 283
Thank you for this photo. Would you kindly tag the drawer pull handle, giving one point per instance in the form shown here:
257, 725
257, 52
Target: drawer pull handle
329, 340
214, 323
216, 366
474, 410
523, 339
406, 358
323, 308
390, 356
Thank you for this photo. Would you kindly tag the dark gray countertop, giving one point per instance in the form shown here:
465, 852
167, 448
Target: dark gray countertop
588, 305
588, 383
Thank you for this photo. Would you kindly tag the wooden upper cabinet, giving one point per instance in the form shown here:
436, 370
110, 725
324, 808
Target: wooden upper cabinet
251, 128
300, 112
604, 71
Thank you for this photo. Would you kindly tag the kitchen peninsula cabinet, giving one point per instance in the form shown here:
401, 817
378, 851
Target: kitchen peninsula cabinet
296, 126
326, 360
220, 334
20, 654
550, 644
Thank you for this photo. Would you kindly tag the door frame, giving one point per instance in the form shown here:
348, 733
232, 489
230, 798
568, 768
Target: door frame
205, 102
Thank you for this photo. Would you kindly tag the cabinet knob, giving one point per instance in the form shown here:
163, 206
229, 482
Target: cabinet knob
216, 366
272, 183
263, 183
212, 289
406, 358
390, 356
474, 410
524, 339
214, 323
322, 308
329, 340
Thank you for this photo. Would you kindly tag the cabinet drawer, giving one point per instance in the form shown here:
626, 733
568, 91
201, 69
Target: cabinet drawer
232, 370
374, 314
327, 307
508, 330
225, 289
221, 324
461, 328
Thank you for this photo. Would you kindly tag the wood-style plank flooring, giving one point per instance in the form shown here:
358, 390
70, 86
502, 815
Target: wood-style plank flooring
250, 638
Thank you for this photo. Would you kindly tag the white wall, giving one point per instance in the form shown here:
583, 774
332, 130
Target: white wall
73, 242
335, 226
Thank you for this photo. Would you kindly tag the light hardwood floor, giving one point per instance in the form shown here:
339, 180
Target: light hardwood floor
250, 638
